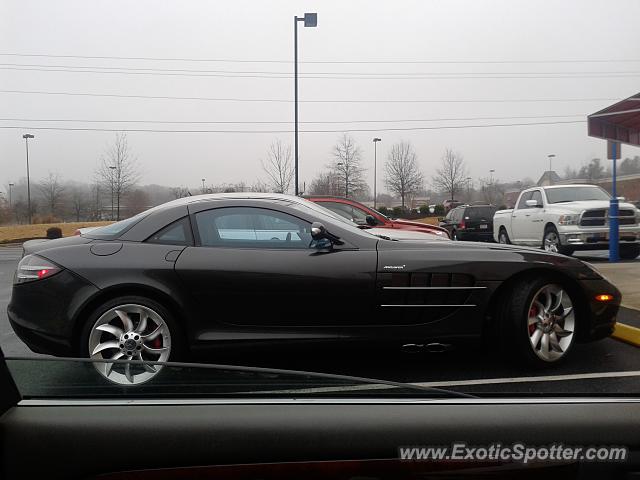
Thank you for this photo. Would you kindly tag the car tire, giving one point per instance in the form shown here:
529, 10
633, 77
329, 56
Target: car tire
537, 322
131, 328
551, 242
629, 252
503, 237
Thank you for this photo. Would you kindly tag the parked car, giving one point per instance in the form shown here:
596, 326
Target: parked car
566, 218
363, 215
470, 222
182, 279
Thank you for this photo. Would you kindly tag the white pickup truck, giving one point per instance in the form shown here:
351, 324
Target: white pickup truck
566, 218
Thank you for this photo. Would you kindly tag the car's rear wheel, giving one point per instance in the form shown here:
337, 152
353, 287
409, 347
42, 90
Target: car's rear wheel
503, 237
538, 321
130, 328
551, 242
629, 252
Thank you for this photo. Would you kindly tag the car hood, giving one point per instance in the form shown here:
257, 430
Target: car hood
411, 223
409, 235
579, 207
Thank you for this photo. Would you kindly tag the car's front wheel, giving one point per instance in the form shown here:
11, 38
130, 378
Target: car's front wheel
538, 321
130, 328
551, 242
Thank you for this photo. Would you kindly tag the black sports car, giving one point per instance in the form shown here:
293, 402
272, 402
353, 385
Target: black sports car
210, 270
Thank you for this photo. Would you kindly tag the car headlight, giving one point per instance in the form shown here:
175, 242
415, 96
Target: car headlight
33, 267
572, 219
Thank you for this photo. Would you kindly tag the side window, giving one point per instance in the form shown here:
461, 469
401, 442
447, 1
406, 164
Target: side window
449, 215
523, 199
359, 216
248, 227
537, 196
342, 209
176, 233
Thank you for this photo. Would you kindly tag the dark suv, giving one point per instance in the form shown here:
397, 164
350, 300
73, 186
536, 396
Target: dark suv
470, 222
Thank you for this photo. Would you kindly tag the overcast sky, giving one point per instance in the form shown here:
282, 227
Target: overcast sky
555, 33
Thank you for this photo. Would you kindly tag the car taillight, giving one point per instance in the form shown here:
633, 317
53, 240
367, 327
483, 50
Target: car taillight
462, 225
33, 267
77, 232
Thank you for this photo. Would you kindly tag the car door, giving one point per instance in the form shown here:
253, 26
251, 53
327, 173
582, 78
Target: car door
535, 219
520, 219
260, 267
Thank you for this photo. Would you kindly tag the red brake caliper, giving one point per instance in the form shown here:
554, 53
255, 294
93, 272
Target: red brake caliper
533, 311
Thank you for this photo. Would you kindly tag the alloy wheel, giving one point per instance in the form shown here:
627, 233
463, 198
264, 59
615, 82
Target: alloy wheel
129, 332
551, 323
552, 242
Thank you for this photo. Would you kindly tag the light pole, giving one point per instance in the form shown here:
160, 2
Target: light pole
112, 168
375, 170
550, 156
310, 20
26, 137
203, 185
11, 184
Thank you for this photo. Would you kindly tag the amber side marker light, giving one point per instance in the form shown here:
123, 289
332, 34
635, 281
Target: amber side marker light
605, 297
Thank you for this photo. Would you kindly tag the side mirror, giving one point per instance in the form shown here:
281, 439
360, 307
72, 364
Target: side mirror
533, 203
371, 220
318, 232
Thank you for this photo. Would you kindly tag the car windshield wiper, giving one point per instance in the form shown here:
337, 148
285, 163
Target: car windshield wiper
346, 380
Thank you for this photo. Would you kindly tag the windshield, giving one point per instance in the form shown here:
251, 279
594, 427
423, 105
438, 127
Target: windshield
575, 194
155, 164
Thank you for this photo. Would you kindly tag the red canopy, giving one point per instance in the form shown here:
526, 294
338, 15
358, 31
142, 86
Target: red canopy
619, 122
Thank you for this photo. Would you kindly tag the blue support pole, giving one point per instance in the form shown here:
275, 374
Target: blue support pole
614, 253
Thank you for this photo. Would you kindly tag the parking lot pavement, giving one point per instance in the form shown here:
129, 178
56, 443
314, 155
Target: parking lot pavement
608, 366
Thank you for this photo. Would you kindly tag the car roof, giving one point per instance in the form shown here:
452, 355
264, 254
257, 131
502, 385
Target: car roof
573, 185
208, 197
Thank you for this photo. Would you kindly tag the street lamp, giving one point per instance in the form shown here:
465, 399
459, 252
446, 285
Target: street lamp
375, 170
203, 185
550, 157
111, 167
310, 20
11, 184
26, 137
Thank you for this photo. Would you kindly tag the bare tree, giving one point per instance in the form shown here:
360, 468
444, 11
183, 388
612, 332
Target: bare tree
402, 175
492, 190
78, 198
118, 170
326, 183
52, 192
451, 176
278, 167
180, 192
347, 166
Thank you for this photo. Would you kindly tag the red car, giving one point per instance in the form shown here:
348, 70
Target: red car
363, 215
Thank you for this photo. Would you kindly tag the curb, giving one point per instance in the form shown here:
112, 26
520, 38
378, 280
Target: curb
627, 334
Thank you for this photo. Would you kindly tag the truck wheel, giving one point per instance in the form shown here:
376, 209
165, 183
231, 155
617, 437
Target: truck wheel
503, 237
629, 252
551, 242
537, 321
